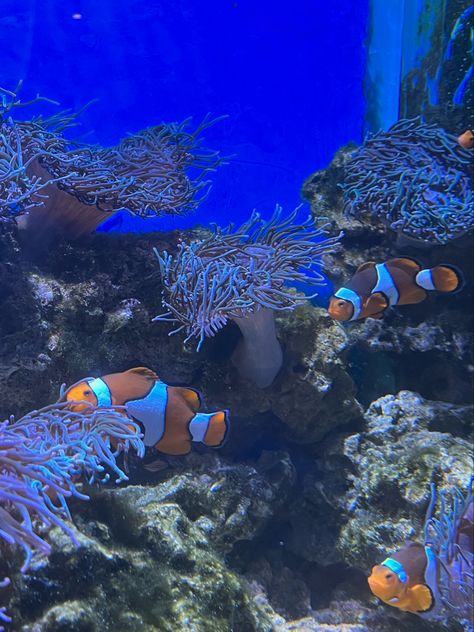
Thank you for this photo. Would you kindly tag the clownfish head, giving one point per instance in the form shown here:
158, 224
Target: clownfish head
83, 394
386, 584
466, 140
340, 309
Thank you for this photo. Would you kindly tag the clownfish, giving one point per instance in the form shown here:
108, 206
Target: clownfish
377, 286
168, 414
466, 140
407, 579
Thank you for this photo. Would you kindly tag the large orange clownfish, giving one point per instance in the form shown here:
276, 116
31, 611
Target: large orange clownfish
168, 414
377, 286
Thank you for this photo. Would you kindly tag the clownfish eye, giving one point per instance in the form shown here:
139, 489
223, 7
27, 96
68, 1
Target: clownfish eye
341, 303
87, 392
388, 576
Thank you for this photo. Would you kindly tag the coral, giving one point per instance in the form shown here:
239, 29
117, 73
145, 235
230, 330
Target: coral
46, 176
416, 179
241, 275
431, 352
19, 192
83, 311
152, 557
87, 311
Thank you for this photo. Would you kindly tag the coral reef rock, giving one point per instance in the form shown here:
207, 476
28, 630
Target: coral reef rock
394, 461
151, 557
313, 393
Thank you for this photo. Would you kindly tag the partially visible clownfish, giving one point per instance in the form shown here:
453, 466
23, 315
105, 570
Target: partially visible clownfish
434, 579
401, 281
466, 140
168, 414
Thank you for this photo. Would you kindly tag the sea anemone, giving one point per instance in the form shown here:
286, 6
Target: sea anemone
52, 185
415, 178
243, 275
450, 535
43, 456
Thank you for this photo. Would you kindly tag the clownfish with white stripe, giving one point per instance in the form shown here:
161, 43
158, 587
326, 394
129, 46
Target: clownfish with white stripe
168, 414
401, 580
401, 281
434, 580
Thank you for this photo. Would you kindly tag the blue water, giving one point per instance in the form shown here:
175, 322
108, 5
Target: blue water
288, 75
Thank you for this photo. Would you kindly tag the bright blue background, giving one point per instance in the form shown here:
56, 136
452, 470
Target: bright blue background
288, 74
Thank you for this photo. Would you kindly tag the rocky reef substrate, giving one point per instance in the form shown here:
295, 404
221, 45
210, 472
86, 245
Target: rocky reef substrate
325, 472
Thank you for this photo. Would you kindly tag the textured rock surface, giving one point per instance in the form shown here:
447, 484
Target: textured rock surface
313, 393
365, 494
303, 532
345, 613
76, 311
151, 558
394, 462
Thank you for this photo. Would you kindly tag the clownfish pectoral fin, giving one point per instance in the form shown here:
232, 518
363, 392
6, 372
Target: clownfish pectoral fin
375, 305
191, 397
421, 597
407, 264
145, 372
366, 266
412, 295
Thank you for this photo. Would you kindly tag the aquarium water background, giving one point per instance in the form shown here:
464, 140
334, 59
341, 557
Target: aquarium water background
288, 76
291, 84
295, 81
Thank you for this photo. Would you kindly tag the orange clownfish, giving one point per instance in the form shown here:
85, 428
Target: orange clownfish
466, 140
377, 286
403, 580
168, 414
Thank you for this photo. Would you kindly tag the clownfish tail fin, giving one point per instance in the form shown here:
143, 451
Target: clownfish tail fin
217, 429
442, 278
212, 429
447, 278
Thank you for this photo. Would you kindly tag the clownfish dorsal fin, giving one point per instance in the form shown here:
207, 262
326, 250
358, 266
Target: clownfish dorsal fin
144, 372
407, 264
190, 396
365, 266
375, 305
422, 597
